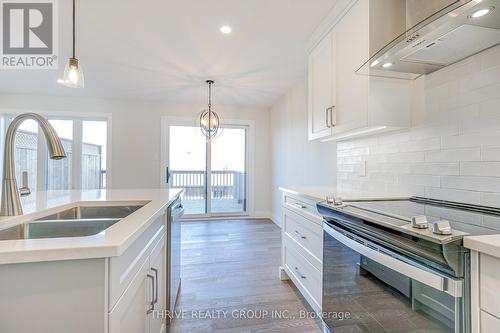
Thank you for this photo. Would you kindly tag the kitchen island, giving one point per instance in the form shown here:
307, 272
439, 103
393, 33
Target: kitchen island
113, 281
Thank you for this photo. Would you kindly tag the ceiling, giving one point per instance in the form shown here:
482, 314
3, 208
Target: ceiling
164, 50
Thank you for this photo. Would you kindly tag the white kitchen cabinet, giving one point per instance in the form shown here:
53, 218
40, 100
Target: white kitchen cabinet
485, 291
158, 264
302, 247
129, 314
359, 104
99, 295
322, 87
145, 297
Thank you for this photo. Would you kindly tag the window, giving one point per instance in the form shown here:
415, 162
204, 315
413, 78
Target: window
59, 173
85, 143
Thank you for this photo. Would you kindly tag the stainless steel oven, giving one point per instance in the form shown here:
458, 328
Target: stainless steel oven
368, 287
399, 265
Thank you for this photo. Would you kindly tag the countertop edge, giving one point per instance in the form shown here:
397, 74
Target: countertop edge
487, 244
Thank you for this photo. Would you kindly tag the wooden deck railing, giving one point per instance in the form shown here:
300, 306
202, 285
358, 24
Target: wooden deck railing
225, 184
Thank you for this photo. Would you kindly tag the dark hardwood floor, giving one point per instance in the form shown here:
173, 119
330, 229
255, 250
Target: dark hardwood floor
230, 270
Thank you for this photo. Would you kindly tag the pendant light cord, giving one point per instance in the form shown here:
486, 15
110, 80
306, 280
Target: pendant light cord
74, 28
210, 106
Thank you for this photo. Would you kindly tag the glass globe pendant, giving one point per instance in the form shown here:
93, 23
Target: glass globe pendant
209, 121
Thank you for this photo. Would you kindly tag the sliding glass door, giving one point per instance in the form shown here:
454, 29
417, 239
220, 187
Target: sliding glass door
212, 172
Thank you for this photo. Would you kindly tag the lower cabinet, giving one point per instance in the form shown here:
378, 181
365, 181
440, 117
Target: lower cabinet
140, 308
302, 247
122, 294
485, 291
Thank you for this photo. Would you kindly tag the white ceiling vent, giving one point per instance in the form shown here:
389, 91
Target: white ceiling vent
457, 44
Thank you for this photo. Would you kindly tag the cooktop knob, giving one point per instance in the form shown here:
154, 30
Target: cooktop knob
419, 222
442, 227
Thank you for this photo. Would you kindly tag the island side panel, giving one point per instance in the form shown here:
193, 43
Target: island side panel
54, 297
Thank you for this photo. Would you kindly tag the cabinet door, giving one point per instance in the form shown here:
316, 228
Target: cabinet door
130, 312
351, 108
321, 94
158, 268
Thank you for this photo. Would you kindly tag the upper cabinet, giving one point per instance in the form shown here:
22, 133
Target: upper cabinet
341, 103
322, 88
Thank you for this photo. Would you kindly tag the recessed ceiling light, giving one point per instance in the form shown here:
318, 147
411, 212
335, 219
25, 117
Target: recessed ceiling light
374, 63
481, 12
387, 65
225, 29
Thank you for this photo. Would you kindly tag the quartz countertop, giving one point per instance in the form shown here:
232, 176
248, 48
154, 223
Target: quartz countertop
488, 244
319, 193
108, 243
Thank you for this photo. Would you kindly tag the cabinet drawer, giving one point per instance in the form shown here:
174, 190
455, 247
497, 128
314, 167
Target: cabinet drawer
303, 207
305, 232
306, 277
490, 284
122, 269
489, 323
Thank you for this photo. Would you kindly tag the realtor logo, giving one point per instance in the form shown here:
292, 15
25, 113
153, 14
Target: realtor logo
29, 34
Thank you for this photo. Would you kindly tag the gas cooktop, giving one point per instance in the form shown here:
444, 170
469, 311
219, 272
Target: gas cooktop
435, 220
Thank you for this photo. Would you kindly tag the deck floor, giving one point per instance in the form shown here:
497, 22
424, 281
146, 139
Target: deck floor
197, 206
231, 266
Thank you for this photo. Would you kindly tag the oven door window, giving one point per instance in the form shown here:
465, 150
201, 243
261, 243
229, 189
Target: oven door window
360, 295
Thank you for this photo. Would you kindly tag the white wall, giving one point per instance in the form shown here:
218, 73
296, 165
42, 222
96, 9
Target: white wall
295, 160
136, 131
452, 150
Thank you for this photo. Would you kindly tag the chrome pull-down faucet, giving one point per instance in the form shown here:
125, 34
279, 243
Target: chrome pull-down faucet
11, 204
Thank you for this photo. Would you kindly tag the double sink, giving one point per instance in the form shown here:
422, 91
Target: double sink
78, 221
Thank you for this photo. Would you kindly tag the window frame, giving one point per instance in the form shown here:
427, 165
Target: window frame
78, 118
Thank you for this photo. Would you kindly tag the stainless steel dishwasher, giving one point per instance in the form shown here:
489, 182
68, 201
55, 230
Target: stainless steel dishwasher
175, 213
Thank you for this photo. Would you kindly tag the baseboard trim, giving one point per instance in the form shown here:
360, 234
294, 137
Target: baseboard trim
277, 221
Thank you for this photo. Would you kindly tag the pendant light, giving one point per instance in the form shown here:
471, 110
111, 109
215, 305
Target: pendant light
73, 71
209, 121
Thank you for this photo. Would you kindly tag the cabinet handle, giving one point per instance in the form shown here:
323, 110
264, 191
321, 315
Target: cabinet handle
156, 285
300, 274
300, 235
299, 205
328, 119
333, 123
152, 303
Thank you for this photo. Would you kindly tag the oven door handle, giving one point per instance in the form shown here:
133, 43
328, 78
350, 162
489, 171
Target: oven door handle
439, 282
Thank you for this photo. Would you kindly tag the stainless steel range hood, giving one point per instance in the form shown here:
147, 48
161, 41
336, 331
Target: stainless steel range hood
437, 33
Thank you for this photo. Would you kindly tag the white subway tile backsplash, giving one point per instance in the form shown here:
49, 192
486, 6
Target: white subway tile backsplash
454, 155
490, 154
483, 123
490, 199
411, 157
453, 195
489, 138
453, 150
420, 145
425, 180
486, 169
482, 184
445, 169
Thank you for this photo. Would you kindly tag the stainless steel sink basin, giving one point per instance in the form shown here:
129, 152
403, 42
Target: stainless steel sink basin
74, 222
93, 212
